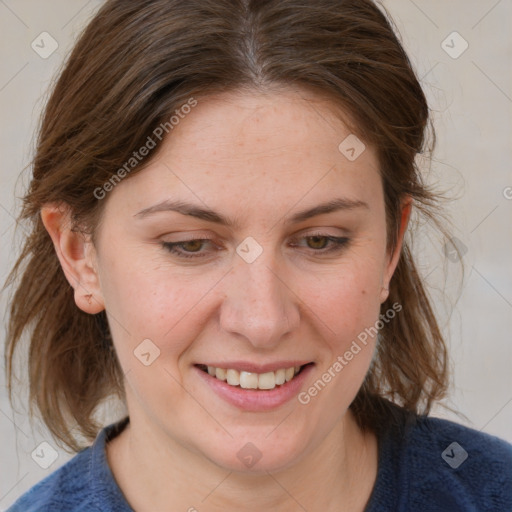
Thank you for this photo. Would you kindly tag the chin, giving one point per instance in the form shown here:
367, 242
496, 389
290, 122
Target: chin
257, 456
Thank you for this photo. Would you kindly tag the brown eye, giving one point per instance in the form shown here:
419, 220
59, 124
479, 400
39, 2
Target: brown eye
192, 245
320, 244
187, 248
323, 244
315, 242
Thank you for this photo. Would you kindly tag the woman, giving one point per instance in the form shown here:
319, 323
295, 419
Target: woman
220, 197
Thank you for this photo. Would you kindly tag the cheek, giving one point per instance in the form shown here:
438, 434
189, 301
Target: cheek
346, 299
147, 301
155, 315
348, 308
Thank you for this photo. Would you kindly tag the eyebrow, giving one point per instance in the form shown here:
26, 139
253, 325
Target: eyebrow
193, 210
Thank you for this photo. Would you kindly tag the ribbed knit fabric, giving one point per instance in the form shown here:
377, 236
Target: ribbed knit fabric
83, 484
420, 469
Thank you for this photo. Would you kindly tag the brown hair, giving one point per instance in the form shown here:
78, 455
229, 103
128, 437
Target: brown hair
136, 63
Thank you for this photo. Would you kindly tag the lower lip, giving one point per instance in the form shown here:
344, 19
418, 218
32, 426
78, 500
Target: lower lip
256, 400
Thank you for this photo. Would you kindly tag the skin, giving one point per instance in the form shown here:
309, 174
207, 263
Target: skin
257, 158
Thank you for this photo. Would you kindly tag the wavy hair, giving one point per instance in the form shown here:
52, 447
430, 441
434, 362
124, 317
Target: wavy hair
133, 65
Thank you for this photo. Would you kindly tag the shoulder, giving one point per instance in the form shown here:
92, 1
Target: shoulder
64, 489
447, 466
83, 484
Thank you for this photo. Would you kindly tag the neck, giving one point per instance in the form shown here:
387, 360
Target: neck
153, 471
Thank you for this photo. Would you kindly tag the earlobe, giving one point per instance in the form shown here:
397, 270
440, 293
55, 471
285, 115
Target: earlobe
76, 255
384, 294
393, 261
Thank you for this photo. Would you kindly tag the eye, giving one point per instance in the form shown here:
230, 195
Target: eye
322, 243
318, 243
187, 248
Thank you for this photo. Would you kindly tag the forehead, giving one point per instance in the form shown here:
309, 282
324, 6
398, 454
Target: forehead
254, 125
275, 147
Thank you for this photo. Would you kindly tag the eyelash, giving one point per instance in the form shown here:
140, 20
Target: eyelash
339, 243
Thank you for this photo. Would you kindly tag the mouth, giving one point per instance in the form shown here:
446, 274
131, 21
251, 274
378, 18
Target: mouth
251, 380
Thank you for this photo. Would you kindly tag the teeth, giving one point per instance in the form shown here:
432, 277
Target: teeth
220, 373
280, 377
249, 380
267, 380
233, 377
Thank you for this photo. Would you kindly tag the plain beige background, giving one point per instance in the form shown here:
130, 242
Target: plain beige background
470, 91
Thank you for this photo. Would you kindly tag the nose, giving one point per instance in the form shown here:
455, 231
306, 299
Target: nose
259, 304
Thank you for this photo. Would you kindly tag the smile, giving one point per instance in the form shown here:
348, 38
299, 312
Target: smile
251, 380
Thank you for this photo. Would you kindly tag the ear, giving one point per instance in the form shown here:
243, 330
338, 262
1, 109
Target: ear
392, 260
77, 257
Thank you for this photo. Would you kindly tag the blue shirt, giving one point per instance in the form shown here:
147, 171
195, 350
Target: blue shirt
425, 465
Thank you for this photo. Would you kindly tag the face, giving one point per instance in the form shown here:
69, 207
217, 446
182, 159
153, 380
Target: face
259, 285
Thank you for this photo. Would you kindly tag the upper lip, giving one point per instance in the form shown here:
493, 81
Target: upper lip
245, 366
